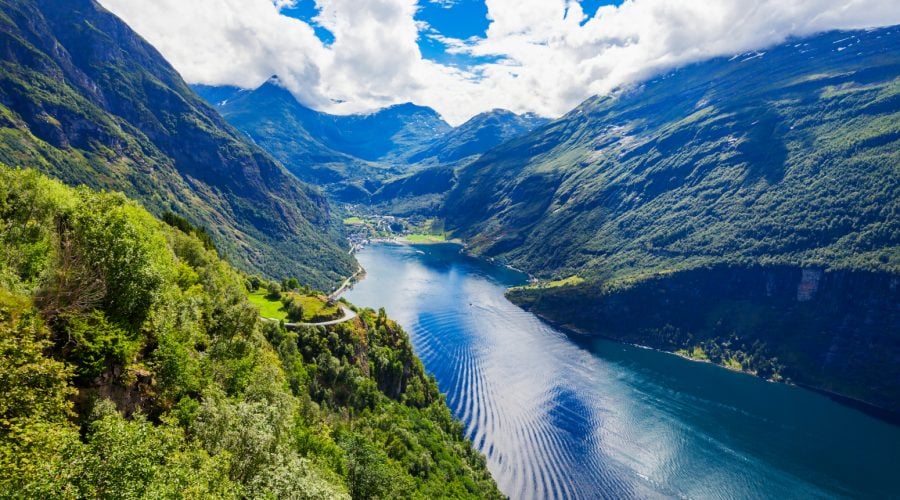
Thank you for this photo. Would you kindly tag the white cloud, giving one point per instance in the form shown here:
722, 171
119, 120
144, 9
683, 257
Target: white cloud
283, 4
547, 56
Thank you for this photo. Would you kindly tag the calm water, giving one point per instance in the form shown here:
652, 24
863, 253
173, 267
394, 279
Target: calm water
558, 418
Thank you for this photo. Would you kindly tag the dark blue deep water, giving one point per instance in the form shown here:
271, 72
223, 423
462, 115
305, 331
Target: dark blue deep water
572, 418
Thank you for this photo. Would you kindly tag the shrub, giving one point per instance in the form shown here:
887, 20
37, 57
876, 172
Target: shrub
273, 291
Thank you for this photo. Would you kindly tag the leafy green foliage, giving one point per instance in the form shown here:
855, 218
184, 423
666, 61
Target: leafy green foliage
86, 100
183, 224
179, 389
293, 307
95, 344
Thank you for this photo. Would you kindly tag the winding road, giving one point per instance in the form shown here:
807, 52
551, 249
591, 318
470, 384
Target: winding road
348, 315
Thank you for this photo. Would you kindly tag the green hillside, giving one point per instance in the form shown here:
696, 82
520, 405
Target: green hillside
744, 208
788, 157
133, 366
85, 99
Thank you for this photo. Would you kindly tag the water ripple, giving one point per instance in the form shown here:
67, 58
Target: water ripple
559, 420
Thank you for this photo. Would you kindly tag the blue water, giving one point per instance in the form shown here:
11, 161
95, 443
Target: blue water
568, 418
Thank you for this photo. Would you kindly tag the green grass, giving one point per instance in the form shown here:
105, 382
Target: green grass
272, 309
570, 281
426, 238
733, 364
354, 221
699, 353
314, 308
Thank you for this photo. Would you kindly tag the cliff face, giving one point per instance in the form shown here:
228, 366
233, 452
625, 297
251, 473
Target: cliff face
831, 330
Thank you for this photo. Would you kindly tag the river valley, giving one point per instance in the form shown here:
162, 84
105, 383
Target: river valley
559, 417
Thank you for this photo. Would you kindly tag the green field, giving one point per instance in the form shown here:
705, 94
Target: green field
314, 308
271, 309
426, 238
354, 221
570, 281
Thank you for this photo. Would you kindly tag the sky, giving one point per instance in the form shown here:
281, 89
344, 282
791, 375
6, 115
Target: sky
464, 57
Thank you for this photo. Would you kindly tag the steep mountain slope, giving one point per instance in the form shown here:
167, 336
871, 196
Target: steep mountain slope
423, 191
384, 135
353, 154
216, 95
133, 366
787, 156
291, 132
387, 134
85, 99
481, 133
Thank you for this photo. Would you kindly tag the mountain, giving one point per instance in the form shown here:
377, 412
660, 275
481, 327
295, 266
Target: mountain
353, 154
386, 134
217, 95
744, 209
422, 191
133, 366
479, 134
85, 99
323, 147
291, 132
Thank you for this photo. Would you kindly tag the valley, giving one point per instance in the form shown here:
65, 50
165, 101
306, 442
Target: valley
266, 276
559, 414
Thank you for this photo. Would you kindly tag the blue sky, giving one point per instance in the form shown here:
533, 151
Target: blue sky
463, 57
457, 19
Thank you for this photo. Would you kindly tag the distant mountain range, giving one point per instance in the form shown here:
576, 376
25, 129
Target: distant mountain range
481, 133
747, 206
358, 152
85, 99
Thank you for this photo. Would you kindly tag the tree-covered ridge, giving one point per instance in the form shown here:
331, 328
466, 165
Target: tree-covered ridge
788, 156
742, 210
86, 100
132, 365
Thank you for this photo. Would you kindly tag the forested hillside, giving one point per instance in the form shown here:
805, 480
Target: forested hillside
784, 156
722, 185
133, 366
86, 100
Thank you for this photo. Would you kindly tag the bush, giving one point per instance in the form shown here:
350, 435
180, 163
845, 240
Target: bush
93, 345
273, 291
294, 307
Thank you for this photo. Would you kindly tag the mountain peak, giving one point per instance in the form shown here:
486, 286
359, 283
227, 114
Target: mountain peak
405, 108
274, 80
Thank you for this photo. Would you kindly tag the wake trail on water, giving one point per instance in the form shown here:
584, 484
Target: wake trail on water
563, 419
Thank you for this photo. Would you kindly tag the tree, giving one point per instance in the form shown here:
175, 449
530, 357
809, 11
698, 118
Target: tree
274, 291
294, 308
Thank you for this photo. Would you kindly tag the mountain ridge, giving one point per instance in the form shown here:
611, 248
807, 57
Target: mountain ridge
358, 152
84, 98
672, 213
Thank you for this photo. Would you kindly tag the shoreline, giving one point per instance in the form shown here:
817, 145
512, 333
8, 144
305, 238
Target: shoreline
876, 412
577, 335
348, 283
403, 240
